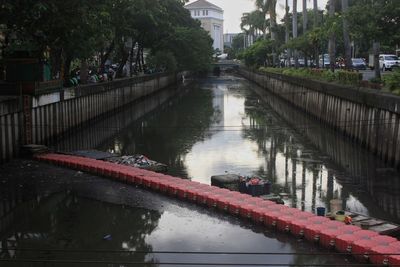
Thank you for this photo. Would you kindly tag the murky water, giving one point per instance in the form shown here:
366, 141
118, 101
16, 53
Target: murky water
208, 127
82, 220
230, 125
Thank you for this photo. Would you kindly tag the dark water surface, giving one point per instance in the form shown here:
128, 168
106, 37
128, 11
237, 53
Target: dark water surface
227, 124
207, 127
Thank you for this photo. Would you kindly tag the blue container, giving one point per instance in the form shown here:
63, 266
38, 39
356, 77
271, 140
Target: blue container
267, 187
320, 211
243, 187
256, 190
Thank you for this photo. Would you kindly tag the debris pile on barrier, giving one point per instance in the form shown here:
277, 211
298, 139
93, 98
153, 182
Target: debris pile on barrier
364, 245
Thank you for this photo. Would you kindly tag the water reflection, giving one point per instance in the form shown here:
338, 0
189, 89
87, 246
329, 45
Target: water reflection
229, 125
68, 228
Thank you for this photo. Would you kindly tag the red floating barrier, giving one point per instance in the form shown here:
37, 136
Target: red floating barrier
381, 249
257, 214
202, 198
223, 203
312, 231
191, 194
211, 200
270, 218
362, 248
394, 260
138, 179
182, 191
267, 203
246, 209
155, 184
318, 219
172, 189
327, 238
234, 206
343, 243
254, 200
366, 234
297, 226
283, 222
380, 255
384, 239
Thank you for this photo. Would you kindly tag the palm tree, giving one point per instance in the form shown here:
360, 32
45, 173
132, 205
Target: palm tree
305, 16
305, 22
316, 15
332, 38
248, 28
316, 24
269, 7
346, 35
287, 34
295, 28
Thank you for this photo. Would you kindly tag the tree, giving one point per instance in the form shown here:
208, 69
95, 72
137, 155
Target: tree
316, 13
305, 17
316, 24
346, 35
259, 54
269, 7
370, 21
97, 30
305, 22
287, 30
332, 37
295, 28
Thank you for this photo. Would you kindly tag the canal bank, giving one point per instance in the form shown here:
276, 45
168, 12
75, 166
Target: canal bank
367, 116
216, 125
41, 117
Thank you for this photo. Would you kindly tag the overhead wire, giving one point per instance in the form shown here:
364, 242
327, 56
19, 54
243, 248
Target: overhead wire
188, 252
181, 263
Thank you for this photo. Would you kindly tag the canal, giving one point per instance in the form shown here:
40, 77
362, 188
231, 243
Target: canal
205, 127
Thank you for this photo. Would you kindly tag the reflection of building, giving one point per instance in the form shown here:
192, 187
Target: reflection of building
211, 18
219, 106
228, 38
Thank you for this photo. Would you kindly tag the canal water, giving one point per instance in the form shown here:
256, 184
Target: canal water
56, 217
229, 125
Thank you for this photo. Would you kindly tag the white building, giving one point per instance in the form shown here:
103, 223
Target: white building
212, 20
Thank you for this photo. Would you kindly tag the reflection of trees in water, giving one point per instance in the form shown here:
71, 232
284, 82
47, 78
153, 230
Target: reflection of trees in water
347, 163
99, 130
80, 224
167, 134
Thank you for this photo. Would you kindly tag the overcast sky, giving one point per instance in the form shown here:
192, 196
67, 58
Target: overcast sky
233, 10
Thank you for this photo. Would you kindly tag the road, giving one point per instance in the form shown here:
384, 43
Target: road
369, 74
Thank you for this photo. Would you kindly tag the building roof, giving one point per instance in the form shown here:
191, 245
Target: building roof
203, 4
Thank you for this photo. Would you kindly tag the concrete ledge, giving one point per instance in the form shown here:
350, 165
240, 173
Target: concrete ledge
361, 95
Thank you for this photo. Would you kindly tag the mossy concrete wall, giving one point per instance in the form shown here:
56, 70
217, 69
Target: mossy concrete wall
368, 116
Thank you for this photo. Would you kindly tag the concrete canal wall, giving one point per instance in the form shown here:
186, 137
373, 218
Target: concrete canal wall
367, 116
342, 157
48, 115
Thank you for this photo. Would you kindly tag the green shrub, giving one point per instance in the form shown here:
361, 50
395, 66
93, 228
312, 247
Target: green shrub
329, 75
392, 81
270, 69
349, 77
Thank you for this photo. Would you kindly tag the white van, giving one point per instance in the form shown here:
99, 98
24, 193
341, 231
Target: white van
388, 62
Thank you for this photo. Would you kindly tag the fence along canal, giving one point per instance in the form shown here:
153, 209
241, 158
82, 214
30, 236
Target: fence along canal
367, 116
46, 117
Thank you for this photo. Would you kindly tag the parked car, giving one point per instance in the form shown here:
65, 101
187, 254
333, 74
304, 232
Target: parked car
324, 61
388, 62
358, 64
